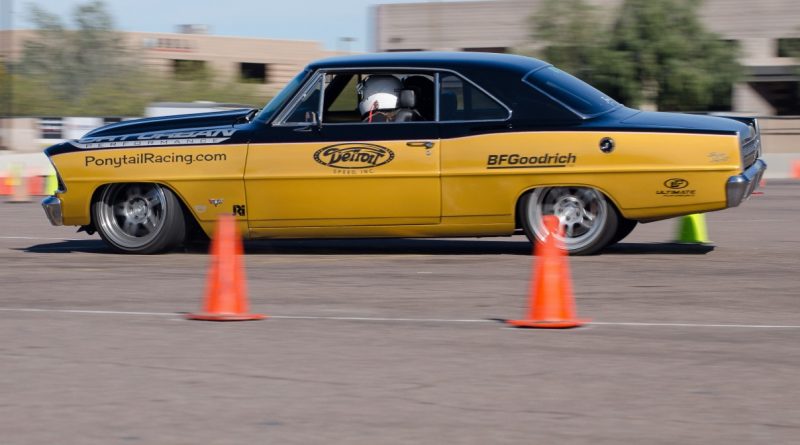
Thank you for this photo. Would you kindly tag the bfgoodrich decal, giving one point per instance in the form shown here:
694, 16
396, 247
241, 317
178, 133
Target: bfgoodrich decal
354, 156
515, 160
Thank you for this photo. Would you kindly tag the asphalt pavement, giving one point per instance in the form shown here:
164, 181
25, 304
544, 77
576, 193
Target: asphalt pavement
401, 341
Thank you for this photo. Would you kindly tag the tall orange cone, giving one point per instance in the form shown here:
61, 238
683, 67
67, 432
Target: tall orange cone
795, 173
35, 185
20, 187
5, 185
226, 291
551, 301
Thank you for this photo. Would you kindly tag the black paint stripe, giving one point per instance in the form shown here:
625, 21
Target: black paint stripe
259, 134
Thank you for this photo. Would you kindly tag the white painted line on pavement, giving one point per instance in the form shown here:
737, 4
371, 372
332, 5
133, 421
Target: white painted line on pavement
696, 325
45, 238
83, 311
411, 320
417, 320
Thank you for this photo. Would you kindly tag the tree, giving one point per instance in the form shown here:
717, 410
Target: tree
654, 53
75, 59
675, 63
568, 31
86, 69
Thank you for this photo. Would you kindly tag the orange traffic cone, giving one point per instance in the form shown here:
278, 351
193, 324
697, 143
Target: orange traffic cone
20, 188
551, 302
5, 185
226, 292
35, 185
795, 169
761, 184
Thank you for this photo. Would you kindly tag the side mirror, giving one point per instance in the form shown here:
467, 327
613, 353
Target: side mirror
311, 117
313, 122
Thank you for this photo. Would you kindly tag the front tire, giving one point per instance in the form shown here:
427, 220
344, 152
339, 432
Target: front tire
139, 218
587, 219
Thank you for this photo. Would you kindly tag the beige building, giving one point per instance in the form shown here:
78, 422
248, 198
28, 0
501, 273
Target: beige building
762, 29
268, 62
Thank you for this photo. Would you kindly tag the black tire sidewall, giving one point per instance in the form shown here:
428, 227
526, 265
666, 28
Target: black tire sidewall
624, 228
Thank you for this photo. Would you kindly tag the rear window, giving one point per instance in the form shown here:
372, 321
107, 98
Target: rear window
462, 101
570, 91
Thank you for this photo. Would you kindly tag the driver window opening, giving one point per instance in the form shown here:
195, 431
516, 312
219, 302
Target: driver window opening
361, 97
307, 109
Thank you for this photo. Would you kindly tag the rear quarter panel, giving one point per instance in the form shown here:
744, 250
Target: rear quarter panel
633, 175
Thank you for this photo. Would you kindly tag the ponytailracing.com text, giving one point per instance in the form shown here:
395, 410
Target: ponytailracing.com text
152, 158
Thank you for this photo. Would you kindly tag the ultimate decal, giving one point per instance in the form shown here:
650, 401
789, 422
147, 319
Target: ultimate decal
521, 161
354, 156
676, 183
676, 188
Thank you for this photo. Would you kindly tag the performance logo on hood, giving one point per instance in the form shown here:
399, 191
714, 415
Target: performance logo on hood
194, 137
354, 156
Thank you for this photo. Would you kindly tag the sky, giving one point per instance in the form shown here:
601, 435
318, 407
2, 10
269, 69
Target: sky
320, 20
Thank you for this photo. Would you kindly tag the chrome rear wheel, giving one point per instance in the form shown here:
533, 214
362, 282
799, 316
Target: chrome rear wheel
587, 220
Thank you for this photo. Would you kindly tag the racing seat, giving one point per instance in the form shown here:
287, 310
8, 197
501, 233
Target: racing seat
405, 107
425, 93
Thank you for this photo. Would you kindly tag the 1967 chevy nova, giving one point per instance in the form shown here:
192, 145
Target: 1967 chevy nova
406, 145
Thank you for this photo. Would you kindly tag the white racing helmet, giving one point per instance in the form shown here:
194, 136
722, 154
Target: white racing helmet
381, 89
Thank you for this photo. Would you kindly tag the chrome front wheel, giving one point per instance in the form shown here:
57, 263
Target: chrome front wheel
139, 217
587, 220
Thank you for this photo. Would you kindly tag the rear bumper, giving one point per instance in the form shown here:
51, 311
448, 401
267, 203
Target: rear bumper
52, 208
741, 186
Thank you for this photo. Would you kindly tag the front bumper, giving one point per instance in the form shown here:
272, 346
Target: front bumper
52, 208
741, 186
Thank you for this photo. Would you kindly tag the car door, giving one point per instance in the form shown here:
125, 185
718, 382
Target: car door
305, 171
474, 130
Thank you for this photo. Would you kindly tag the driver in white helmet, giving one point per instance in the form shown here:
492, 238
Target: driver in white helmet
378, 96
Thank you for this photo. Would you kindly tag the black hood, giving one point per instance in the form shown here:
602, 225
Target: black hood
172, 123
173, 131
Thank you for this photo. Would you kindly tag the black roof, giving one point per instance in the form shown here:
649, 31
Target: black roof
434, 59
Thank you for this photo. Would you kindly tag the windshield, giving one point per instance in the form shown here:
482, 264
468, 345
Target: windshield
286, 93
570, 91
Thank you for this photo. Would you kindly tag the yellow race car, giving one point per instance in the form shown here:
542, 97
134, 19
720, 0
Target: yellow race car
406, 145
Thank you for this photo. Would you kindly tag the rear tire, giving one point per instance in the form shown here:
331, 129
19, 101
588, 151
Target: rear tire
586, 217
139, 218
624, 228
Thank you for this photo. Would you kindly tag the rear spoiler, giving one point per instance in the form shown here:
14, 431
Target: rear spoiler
749, 121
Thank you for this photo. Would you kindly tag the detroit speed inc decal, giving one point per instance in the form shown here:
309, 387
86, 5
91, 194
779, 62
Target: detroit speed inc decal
354, 156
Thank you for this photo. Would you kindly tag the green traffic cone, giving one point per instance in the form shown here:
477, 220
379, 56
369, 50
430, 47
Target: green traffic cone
50, 184
692, 229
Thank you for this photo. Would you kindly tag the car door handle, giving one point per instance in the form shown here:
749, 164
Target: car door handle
426, 144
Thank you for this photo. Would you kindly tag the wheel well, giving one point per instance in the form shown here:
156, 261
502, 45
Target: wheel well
518, 205
189, 217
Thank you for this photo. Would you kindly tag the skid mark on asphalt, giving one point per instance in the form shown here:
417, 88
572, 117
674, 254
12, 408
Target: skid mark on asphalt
407, 320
